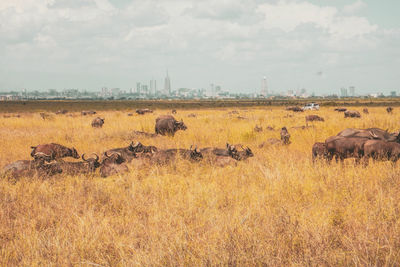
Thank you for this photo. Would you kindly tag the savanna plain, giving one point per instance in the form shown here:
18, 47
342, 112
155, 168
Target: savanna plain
274, 209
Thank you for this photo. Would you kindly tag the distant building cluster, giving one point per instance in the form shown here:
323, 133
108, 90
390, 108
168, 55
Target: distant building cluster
152, 90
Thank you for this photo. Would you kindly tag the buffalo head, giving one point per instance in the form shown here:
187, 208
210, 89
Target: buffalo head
180, 125
195, 154
115, 158
93, 162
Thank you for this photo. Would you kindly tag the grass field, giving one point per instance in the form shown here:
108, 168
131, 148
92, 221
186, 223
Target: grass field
275, 208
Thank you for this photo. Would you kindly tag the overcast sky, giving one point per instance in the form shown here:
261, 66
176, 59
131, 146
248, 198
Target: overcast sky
320, 45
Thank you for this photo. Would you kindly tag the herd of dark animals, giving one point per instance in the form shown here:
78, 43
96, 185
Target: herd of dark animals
47, 160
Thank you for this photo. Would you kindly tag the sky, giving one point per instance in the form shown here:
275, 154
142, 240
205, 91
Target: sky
320, 45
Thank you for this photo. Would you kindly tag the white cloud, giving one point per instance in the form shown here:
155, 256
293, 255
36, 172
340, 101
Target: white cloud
216, 38
354, 7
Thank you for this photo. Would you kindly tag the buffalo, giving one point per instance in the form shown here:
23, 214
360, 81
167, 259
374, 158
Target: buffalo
88, 112
61, 111
131, 152
166, 156
192, 115
314, 118
389, 110
229, 151
113, 164
381, 150
342, 147
167, 125
29, 168
74, 168
285, 139
352, 114
98, 122
319, 151
365, 111
143, 111
285, 136
54, 151
295, 108
371, 133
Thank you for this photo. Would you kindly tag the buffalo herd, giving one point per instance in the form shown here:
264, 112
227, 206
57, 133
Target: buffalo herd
48, 159
361, 144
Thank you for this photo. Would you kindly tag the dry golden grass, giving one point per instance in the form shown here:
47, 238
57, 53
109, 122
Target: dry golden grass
276, 208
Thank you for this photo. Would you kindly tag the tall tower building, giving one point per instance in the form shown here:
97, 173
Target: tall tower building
167, 85
264, 87
352, 91
153, 87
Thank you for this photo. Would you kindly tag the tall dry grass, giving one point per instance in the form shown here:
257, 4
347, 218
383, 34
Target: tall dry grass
276, 208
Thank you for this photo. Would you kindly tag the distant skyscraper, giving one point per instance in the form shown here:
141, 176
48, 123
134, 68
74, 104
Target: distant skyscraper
264, 87
138, 88
352, 91
167, 85
343, 92
153, 87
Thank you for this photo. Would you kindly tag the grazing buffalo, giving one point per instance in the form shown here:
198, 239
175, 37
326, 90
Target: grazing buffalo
258, 129
30, 168
61, 111
295, 108
381, 150
167, 125
113, 164
340, 109
389, 110
143, 111
54, 151
74, 168
345, 147
285, 136
314, 118
98, 122
352, 114
371, 133
365, 111
319, 151
88, 112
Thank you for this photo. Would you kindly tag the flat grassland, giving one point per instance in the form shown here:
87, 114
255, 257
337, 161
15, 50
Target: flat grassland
275, 208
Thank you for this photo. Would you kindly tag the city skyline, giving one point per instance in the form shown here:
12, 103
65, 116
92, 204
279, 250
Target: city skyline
320, 45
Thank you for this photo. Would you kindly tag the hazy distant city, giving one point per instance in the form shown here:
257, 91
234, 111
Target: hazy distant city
154, 90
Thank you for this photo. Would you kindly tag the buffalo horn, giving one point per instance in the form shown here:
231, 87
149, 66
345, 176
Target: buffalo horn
373, 135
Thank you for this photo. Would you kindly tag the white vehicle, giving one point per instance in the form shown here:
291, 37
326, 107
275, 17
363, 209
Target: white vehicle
311, 106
